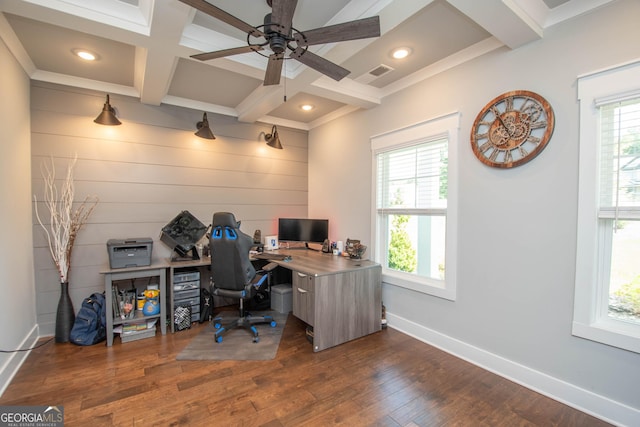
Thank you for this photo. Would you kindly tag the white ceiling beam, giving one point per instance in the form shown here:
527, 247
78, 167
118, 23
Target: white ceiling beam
507, 20
347, 91
11, 40
156, 64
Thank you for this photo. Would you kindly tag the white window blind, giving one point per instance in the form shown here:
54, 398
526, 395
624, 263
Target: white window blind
620, 159
413, 178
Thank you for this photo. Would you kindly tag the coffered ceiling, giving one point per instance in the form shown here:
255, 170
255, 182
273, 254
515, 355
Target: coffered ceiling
144, 49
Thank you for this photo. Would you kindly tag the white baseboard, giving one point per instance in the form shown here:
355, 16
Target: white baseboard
16, 359
583, 400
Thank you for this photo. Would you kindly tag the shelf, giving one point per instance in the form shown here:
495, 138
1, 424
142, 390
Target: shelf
112, 275
139, 316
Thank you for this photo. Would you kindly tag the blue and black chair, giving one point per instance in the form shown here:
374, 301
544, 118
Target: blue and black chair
234, 276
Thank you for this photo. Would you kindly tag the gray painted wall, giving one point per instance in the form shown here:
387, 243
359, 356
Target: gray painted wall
149, 169
517, 228
17, 308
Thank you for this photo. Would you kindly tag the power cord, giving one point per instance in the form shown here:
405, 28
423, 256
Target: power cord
27, 349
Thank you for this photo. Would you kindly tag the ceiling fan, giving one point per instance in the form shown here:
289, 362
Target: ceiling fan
278, 34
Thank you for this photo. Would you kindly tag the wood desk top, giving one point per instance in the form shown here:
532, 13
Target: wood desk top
316, 263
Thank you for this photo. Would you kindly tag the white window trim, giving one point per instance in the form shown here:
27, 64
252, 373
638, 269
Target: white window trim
589, 317
447, 125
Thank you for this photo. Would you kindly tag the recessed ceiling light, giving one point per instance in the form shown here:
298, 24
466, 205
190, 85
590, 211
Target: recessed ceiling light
401, 52
307, 107
85, 54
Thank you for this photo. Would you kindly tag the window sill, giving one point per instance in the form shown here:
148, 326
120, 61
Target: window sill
610, 332
423, 285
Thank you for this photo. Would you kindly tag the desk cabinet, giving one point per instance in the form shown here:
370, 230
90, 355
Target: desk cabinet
341, 306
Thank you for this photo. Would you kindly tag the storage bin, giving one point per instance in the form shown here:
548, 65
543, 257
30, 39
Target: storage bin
281, 297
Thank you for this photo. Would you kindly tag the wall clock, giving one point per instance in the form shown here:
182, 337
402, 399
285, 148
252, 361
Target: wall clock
512, 129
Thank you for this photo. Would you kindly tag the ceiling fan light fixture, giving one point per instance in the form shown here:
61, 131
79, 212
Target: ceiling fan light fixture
401, 52
108, 115
204, 131
273, 140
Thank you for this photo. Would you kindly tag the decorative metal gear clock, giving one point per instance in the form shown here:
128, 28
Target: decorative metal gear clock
512, 129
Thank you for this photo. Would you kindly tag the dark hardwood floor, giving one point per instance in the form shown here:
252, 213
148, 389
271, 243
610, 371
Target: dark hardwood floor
385, 379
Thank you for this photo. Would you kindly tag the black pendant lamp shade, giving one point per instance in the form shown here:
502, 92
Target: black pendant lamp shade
204, 131
272, 138
108, 115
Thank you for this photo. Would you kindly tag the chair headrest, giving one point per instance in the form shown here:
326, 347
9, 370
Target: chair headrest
225, 219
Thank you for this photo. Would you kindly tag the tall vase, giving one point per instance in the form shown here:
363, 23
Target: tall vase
65, 316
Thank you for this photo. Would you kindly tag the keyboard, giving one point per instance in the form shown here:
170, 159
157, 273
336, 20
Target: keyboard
266, 256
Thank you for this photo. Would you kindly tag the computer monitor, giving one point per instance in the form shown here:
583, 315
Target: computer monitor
303, 230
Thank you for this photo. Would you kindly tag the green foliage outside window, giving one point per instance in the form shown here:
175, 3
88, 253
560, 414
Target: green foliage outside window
402, 255
627, 297
631, 144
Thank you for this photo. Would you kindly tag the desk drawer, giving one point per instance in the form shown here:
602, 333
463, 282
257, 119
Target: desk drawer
186, 286
188, 301
190, 293
303, 297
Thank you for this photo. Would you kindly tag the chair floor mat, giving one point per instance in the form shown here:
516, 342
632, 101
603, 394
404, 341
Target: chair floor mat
237, 344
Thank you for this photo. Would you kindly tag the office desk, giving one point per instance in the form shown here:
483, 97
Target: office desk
339, 297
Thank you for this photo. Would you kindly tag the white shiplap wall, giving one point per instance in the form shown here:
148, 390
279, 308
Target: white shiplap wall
149, 169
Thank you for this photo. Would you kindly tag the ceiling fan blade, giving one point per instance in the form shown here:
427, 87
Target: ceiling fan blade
318, 63
274, 69
226, 52
352, 30
282, 14
223, 16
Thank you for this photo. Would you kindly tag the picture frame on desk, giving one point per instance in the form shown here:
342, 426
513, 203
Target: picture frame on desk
271, 243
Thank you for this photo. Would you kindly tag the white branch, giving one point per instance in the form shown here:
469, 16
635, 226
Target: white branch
65, 223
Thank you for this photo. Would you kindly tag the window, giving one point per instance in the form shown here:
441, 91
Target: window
416, 205
607, 295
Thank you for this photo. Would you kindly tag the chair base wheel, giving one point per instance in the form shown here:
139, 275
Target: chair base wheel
247, 323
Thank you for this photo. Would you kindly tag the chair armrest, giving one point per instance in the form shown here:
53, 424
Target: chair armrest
258, 280
269, 267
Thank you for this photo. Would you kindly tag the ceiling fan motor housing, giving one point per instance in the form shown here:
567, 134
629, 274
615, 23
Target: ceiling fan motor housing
277, 41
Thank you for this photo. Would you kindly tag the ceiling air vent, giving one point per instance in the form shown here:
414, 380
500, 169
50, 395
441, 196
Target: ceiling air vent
373, 74
380, 70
